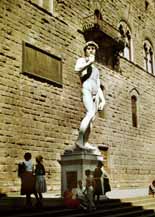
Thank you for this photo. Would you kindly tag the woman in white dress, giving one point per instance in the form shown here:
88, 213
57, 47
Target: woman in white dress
40, 185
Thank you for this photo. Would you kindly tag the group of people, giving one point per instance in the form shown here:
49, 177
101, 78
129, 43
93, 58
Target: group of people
32, 179
87, 194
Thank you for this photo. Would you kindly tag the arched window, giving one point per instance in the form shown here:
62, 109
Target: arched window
134, 96
127, 49
126, 35
134, 110
148, 57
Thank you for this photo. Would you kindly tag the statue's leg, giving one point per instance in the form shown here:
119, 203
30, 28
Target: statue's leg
80, 140
86, 135
95, 109
86, 122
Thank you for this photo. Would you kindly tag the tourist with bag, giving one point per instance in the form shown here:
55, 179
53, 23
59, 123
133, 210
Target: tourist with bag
26, 173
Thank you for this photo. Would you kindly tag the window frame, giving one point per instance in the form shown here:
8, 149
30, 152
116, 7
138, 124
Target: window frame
148, 57
125, 33
134, 111
135, 108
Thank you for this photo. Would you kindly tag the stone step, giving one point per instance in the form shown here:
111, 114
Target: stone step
122, 210
112, 212
126, 211
135, 199
19, 202
143, 203
135, 213
55, 207
146, 202
107, 204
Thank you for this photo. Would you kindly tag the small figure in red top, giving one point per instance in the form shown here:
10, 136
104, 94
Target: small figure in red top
70, 199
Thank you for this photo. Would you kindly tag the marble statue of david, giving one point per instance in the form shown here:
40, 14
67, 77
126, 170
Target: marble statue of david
92, 94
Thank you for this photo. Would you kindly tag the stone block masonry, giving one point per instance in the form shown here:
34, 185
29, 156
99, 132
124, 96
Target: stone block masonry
43, 118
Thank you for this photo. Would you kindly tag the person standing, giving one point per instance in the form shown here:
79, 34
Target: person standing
101, 181
40, 185
93, 98
27, 178
90, 190
98, 181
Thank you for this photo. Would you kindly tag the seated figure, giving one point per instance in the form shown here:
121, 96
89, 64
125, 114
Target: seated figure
152, 188
70, 199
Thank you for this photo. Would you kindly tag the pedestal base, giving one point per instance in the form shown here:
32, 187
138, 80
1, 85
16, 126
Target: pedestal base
73, 166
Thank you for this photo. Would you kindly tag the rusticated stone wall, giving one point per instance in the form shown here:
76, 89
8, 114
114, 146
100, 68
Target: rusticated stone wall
43, 118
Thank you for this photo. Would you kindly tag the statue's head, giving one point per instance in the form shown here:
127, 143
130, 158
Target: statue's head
90, 48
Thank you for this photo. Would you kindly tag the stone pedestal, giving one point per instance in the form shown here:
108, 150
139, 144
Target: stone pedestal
73, 166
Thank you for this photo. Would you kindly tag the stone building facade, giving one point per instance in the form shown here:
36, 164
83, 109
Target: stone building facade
40, 95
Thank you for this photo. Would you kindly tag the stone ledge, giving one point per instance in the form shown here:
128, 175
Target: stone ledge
127, 193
